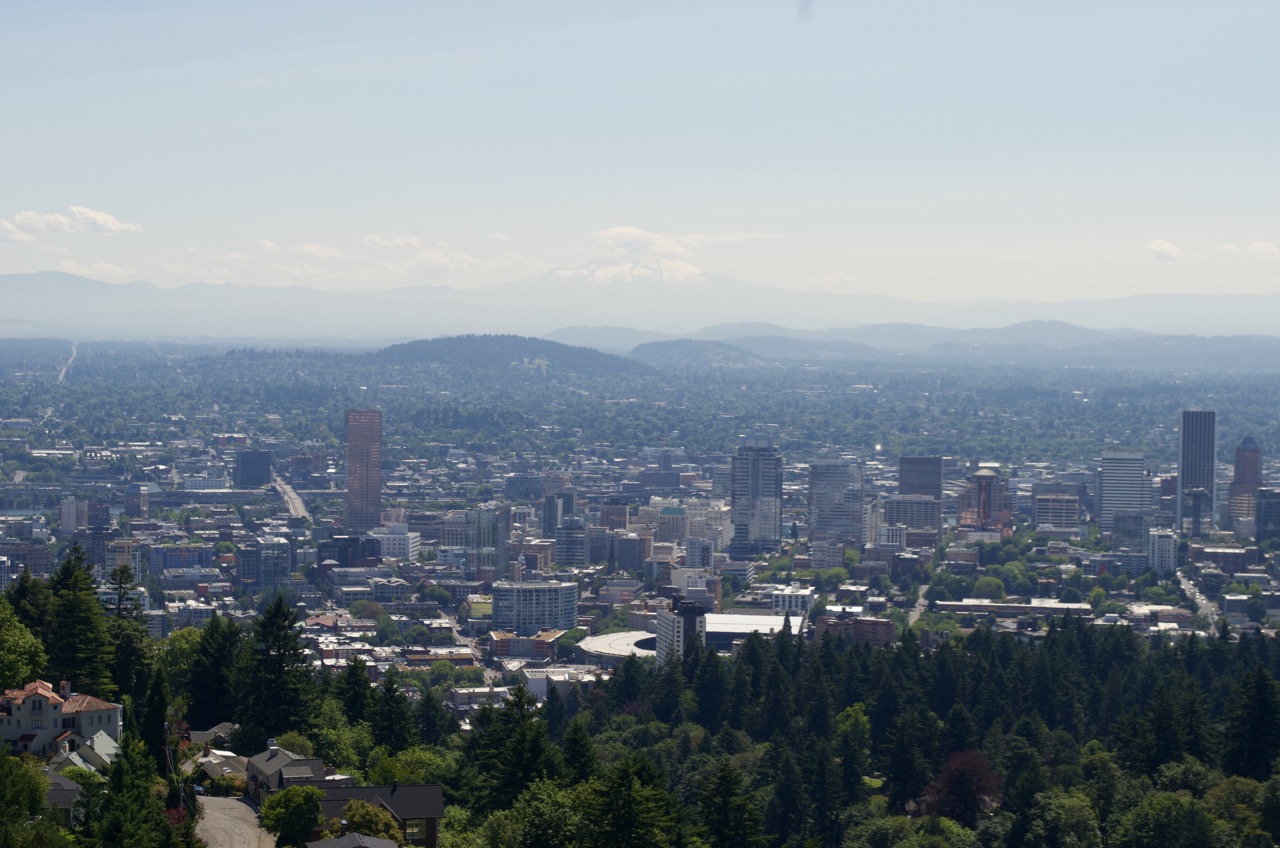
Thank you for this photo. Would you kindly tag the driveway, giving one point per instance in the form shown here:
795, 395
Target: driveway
231, 823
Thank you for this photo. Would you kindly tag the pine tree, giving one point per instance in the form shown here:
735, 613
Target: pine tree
730, 816
580, 758
213, 695
273, 680
391, 717
1253, 727
435, 723
154, 725
78, 642
553, 713
32, 602
353, 689
132, 813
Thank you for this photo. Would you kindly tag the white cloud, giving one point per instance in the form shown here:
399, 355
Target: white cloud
1013, 257
1233, 249
319, 251
499, 236
1264, 250
632, 241
236, 257
267, 246
98, 270
28, 226
1164, 250
393, 240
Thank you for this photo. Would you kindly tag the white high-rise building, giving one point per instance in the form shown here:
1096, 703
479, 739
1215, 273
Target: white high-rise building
1123, 486
1162, 552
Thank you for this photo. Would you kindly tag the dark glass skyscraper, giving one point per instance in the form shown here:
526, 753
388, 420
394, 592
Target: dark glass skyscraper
920, 475
756, 498
1197, 460
364, 469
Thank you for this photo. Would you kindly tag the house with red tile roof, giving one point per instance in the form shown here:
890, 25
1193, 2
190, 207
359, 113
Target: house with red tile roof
37, 719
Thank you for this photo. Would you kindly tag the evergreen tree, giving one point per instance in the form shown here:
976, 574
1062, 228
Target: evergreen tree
273, 681
32, 602
553, 713
213, 694
132, 814
154, 728
1252, 738
132, 657
508, 749
730, 816
435, 723
631, 811
580, 758
78, 642
391, 717
353, 689
787, 812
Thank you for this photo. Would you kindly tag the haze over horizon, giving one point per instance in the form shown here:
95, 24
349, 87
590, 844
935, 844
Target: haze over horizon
935, 153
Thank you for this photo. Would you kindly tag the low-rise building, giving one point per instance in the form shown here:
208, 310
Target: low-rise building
37, 719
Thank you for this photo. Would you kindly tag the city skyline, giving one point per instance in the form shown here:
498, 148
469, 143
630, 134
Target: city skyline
938, 153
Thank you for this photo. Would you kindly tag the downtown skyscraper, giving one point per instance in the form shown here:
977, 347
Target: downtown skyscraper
755, 505
1197, 463
364, 469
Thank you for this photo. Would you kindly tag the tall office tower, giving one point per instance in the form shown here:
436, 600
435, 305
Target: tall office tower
555, 509
488, 542
920, 475
252, 469
756, 498
1267, 515
985, 503
1245, 483
1123, 486
835, 503
1197, 458
571, 543
364, 469
684, 622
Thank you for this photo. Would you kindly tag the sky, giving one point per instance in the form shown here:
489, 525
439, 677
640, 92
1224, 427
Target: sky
943, 151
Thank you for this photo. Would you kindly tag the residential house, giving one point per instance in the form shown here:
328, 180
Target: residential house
276, 768
417, 809
36, 719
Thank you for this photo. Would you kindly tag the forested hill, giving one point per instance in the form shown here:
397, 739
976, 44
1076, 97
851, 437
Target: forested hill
501, 352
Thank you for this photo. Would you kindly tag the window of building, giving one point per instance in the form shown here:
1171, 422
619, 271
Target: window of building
37, 724
414, 829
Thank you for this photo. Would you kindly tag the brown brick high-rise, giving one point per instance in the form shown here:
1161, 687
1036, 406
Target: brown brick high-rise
364, 469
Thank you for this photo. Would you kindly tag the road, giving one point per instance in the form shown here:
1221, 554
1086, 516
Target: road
62, 375
297, 508
1207, 607
920, 606
231, 823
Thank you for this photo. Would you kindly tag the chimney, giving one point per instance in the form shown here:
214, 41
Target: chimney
64, 689
272, 748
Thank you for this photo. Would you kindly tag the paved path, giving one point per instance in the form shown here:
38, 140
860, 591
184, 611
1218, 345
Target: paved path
231, 823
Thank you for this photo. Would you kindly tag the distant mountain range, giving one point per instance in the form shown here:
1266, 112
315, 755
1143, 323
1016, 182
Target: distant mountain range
502, 353
609, 305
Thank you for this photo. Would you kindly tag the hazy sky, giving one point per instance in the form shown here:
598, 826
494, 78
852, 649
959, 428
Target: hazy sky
931, 150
